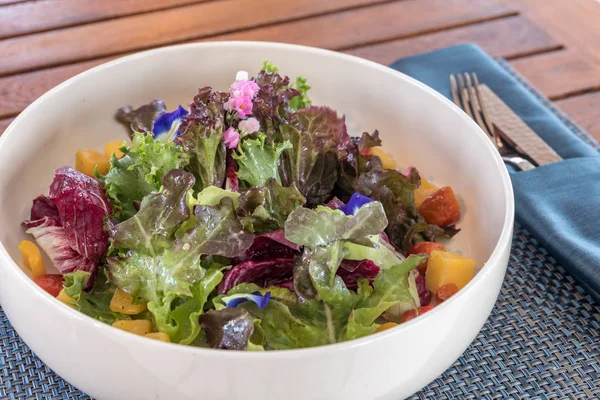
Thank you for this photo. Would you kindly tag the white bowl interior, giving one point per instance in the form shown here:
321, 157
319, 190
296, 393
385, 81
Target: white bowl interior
418, 127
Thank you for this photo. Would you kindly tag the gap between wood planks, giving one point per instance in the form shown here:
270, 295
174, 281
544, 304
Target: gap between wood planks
49, 15
18, 91
192, 22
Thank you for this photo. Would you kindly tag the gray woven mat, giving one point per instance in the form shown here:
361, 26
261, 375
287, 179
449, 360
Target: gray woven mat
542, 340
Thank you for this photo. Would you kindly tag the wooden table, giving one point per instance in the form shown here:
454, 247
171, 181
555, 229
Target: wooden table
554, 43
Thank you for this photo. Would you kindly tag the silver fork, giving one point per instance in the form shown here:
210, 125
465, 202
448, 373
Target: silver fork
466, 95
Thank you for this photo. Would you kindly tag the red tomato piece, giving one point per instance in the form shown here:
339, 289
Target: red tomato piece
410, 314
441, 207
51, 283
445, 292
424, 248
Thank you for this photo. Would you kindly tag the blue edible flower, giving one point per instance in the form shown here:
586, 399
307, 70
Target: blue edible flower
354, 204
165, 126
259, 299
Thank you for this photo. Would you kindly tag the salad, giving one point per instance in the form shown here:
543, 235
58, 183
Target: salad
250, 220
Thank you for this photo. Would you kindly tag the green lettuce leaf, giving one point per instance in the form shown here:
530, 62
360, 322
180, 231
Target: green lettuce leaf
320, 228
303, 100
319, 139
139, 172
396, 193
265, 209
207, 152
151, 229
390, 288
377, 252
95, 304
258, 161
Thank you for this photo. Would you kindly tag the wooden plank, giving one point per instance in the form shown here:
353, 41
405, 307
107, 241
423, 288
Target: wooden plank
4, 123
573, 22
22, 18
520, 37
18, 91
585, 111
349, 29
155, 29
560, 74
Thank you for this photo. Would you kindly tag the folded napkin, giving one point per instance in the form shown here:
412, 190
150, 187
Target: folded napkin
558, 203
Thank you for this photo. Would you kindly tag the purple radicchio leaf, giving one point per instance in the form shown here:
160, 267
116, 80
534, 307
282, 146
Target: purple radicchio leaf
256, 272
140, 119
83, 209
424, 293
351, 270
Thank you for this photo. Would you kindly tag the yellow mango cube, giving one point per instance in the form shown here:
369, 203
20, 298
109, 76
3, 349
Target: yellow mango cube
87, 159
65, 298
32, 258
386, 326
387, 162
137, 326
114, 148
424, 190
444, 268
163, 337
122, 302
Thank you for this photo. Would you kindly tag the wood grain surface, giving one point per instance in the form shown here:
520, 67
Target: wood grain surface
555, 46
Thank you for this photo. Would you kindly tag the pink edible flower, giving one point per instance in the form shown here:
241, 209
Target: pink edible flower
231, 138
244, 88
241, 104
249, 126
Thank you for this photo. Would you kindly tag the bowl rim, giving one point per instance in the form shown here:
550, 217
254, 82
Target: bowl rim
493, 262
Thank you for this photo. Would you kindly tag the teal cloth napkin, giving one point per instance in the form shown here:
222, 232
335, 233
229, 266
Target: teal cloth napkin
558, 203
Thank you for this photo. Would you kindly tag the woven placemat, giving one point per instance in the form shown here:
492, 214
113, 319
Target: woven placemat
541, 341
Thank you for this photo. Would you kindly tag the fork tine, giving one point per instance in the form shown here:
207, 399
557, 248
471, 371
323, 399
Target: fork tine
454, 90
476, 107
461, 90
486, 116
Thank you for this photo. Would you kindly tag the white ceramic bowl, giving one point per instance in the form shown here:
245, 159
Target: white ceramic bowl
417, 125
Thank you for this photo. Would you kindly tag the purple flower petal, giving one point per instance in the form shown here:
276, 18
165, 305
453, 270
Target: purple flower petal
168, 123
259, 299
354, 204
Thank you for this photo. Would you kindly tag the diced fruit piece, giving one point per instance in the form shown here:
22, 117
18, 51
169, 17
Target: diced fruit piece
387, 162
424, 248
137, 326
65, 298
122, 302
445, 292
113, 148
424, 190
51, 283
32, 258
441, 207
386, 326
158, 336
445, 268
87, 159
410, 314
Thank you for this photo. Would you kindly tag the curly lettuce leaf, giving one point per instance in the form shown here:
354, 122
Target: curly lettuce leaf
139, 172
271, 102
258, 161
201, 136
302, 100
396, 192
269, 67
390, 288
153, 226
95, 304
140, 119
319, 139
265, 209
323, 226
